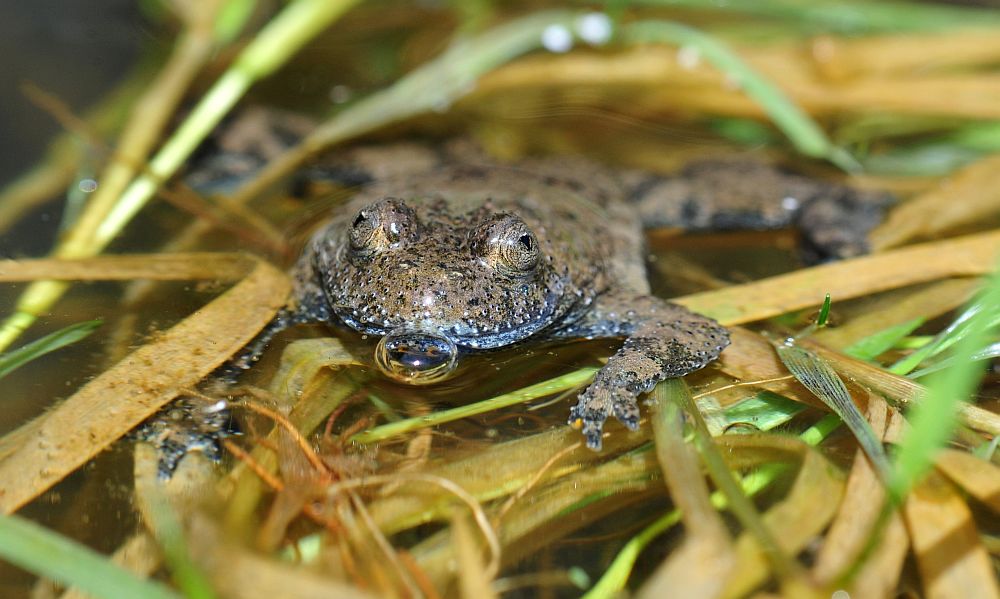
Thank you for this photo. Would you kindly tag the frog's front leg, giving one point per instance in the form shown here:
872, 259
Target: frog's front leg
662, 340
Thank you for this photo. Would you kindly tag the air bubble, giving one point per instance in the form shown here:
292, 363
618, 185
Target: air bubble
594, 28
557, 38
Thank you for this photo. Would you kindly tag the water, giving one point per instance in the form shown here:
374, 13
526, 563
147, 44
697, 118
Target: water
370, 49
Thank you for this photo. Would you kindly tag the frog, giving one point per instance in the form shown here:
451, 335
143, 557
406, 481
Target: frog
446, 253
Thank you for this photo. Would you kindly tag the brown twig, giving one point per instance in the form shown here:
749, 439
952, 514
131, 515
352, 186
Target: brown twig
300, 440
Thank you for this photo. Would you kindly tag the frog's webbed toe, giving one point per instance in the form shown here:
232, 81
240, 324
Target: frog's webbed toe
663, 340
598, 402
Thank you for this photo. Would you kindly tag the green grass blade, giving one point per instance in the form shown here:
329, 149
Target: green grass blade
932, 419
957, 330
53, 556
14, 359
824, 312
817, 376
545, 388
617, 574
804, 133
726, 481
848, 16
926, 160
170, 534
987, 353
878, 343
761, 412
232, 19
443, 80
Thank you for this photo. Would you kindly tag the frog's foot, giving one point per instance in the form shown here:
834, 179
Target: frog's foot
183, 427
663, 340
834, 220
596, 404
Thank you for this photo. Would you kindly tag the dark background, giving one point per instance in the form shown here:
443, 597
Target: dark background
73, 49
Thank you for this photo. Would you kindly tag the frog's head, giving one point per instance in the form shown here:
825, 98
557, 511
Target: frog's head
433, 284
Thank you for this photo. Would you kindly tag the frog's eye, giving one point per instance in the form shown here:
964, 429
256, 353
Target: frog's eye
363, 229
506, 241
386, 224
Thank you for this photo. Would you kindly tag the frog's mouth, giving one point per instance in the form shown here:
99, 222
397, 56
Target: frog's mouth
416, 358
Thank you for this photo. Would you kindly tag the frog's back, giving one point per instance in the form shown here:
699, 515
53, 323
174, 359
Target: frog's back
577, 211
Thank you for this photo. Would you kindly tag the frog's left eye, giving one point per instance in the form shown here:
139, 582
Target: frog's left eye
383, 225
506, 241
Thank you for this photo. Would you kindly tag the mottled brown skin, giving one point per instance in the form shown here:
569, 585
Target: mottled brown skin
478, 257
490, 256
443, 254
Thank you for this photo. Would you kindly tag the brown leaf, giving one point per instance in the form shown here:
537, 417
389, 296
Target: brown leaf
963, 256
110, 405
855, 521
964, 198
795, 521
976, 476
952, 562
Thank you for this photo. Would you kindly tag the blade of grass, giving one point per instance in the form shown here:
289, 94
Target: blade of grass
900, 391
878, 343
732, 489
933, 418
849, 17
433, 86
804, 133
824, 312
705, 559
170, 534
762, 412
48, 554
617, 574
987, 353
12, 360
956, 330
298, 23
556, 385
971, 255
924, 160
822, 380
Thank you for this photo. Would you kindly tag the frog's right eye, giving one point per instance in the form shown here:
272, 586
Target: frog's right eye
365, 229
386, 224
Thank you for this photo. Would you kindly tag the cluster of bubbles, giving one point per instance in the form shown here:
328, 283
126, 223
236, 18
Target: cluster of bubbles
593, 28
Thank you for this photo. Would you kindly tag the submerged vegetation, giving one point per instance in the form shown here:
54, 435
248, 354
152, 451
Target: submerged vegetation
740, 481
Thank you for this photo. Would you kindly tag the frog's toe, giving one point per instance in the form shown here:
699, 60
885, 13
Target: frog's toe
593, 430
588, 416
626, 410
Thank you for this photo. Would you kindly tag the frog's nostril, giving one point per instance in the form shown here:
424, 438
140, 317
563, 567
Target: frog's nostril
416, 358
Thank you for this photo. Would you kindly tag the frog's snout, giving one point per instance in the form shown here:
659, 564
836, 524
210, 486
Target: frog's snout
416, 358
